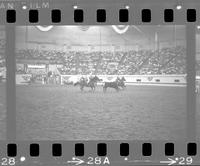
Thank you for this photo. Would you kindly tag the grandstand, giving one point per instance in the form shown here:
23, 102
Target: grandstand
164, 61
103, 52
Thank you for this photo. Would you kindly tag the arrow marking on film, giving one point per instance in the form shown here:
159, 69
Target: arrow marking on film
169, 162
76, 161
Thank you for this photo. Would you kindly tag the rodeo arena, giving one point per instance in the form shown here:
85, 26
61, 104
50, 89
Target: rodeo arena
101, 82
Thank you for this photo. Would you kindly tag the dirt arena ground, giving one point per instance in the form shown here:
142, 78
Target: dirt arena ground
2, 111
51, 112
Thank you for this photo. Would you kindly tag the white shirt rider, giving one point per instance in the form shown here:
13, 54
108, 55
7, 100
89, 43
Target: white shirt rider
89, 77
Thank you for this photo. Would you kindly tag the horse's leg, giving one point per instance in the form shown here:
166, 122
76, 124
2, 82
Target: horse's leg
117, 88
91, 88
94, 87
104, 89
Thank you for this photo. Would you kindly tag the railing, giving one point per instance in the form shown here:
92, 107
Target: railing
134, 79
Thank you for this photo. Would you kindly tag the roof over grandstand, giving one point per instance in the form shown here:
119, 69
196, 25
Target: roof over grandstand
100, 35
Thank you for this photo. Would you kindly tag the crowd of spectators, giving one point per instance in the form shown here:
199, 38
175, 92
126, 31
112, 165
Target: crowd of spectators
2, 54
163, 61
166, 61
33, 54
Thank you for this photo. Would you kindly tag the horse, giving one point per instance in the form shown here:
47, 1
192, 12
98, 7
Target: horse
114, 84
121, 82
91, 83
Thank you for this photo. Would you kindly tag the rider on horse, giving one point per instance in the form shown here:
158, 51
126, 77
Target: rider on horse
91, 82
120, 82
89, 78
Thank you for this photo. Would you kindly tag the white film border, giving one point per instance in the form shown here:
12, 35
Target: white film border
42, 59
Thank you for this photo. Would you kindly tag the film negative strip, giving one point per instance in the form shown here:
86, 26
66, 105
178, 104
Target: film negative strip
99, 82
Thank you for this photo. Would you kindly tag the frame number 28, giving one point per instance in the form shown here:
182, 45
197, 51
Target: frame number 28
8, 161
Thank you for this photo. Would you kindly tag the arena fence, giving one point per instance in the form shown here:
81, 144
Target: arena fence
130, 79
133, 79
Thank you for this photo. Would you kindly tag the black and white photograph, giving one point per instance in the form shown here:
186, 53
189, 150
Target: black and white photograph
2, 84
117, 82
197, 88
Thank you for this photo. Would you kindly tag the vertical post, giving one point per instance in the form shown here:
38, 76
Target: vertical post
10, 82
26, 37
191, 75
156, 42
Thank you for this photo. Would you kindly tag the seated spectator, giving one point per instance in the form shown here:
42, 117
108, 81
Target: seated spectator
164, 61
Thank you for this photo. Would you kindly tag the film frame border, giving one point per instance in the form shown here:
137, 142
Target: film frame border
180, 17
184, 12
